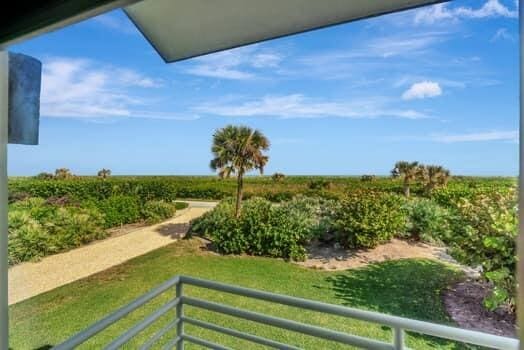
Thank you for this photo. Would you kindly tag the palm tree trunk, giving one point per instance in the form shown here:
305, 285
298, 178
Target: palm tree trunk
240, 189
406, 189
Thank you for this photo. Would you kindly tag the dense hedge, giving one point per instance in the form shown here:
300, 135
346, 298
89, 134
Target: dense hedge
170, 188
40, 227
37, 229
156, 210
263, 228
118, 210
364, 219
483, 232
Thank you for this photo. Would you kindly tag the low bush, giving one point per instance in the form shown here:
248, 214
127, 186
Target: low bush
17, 196
319, 184
37, 229
27, 238
427, 221
368, 178
483, 232
365, 219
171, 188
181, 205
156, 211
118, 210
263, 228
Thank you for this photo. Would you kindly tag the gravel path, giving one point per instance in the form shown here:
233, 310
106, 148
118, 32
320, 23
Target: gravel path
32, 278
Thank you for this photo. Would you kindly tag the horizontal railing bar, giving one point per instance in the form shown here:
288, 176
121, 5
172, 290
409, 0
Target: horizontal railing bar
238, 334
207, 344
99, 326
143, 324
172, 343
289, 325
147, 345
441, 331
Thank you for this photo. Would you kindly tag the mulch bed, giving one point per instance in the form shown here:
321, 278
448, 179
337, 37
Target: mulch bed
463, 303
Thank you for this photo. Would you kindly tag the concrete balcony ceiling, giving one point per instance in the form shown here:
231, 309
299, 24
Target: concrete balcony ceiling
180, 29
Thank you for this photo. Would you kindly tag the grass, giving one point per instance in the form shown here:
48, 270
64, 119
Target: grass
181, 205
409, 288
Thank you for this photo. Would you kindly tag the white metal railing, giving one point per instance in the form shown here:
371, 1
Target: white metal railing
398, 324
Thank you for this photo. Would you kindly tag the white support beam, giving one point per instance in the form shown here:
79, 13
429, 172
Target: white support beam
4, 91
520, 242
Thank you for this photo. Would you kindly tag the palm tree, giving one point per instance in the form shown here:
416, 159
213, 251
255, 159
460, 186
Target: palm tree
278, 177
434, 176
409, 172
238, 150
104, 173
63, 173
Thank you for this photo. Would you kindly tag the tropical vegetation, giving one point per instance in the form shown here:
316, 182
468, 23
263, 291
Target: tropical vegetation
408, 288
238, 150
40, 227
474, 217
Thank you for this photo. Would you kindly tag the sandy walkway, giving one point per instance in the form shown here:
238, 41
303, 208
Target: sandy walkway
329, 258
29, 279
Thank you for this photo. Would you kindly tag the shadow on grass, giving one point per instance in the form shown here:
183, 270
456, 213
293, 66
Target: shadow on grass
408, 288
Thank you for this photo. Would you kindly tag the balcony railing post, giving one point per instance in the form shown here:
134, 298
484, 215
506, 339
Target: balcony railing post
179, 316
4, 324
398, 334
520, 238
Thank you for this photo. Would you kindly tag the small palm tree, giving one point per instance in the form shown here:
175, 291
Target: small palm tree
434, 176
104, 173
63, 174
44, 176
278, 177
236, 151
409, 172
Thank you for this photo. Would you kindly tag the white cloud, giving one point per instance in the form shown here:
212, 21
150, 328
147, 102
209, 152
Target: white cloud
379, 48
443, 12
406, 45
133, 78
299, 106
81, 88
209, 71
512, 135
502, 34
408, 80
263, 60
236, 64
423, 89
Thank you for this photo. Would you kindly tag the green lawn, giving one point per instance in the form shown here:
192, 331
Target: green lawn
409, 288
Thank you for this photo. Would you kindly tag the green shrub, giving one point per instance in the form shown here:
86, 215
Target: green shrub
368, 178
181, 205
484, 232
45, 176
155, 211
263, 228
223, 228
319, 184
17, 196
37, 229
118, 210
72, 227
171, 188
427, 221
365, 219
27, 238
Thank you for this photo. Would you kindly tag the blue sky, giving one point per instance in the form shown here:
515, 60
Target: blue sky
437, 85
